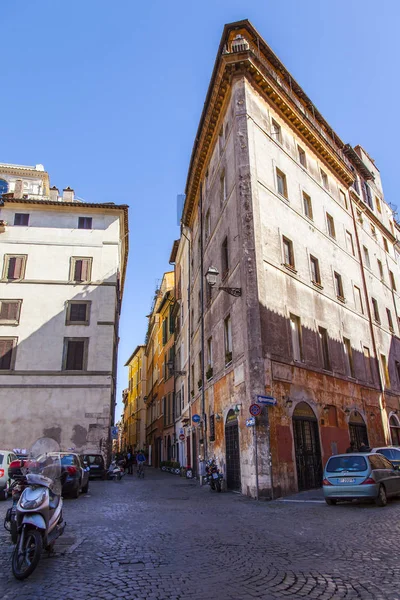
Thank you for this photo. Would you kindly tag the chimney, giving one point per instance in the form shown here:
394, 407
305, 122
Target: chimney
68, 194
54, 194
18, 188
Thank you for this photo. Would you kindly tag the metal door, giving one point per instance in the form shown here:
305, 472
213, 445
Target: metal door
308, 453
358, 434
232, 452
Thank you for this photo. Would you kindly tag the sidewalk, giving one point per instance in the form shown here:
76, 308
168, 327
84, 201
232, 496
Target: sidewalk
316, 496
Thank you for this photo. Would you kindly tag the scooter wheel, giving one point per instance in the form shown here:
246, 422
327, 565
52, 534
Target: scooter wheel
25, 562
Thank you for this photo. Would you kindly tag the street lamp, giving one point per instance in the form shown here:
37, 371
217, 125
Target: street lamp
211, 278
170, 365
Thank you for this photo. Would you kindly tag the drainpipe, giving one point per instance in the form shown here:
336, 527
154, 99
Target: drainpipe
371, 327
203, 394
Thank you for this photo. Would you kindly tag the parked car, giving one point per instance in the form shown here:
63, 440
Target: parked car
391, 452
6, 457
74, 473
96, 465
360, 475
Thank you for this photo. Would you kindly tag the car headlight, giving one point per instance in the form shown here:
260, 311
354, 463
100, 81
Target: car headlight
32, 500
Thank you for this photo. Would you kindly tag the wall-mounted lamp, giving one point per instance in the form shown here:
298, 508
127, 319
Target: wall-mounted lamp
372, 415
396, 411
218, 417
211, 278
326, 408
289, 402
237, 408
170, 365
347, 411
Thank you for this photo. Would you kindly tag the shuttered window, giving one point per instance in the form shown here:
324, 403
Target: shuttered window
85, 223
14, 266
21, 219
7, 346
75, 354
9, 311
78, 313
81, 268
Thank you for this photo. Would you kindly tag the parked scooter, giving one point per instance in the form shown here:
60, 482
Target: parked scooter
213, 476
38, 513
115, 471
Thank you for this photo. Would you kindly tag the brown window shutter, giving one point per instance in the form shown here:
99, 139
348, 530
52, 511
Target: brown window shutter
9, 311
85, 270
78, 312
19, 261
6, 347
75, 355
78, 270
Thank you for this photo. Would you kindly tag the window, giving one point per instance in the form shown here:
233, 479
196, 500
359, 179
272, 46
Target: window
331, 226
385, 244
378, 204
222, 188
212, 428
325, 181
348, 357
81, 269
14, 266
10, 311
85, 223
338, 285
200, 381
164, 331
228, 339
307, 206
295, 328
394, 432
360, 217
302, 157
350, 245
373, 230
199, 305
78, 312
281, 183
323, 336
221, 140
385, 370
208, 295
366, 257
288, 255
343, 199
380, 268
392, 281
276, 132
358, 299
21, 219
207, 225
315, 272
367, 362
75, 354
7, 353
225, 257
376, 310
210, 352
390, 320
368, 196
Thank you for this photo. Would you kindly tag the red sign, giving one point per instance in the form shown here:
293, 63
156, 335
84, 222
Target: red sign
182, 436
255, 410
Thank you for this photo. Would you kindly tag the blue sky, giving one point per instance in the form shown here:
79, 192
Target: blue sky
108, 95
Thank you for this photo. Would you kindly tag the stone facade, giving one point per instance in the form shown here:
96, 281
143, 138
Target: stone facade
297, 220
67, 311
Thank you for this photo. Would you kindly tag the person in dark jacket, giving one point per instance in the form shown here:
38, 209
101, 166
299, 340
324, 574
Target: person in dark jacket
364, 448
351, 448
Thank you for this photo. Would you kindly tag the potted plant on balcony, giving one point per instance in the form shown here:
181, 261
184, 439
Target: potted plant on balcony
209, 372
228, 357
200, 384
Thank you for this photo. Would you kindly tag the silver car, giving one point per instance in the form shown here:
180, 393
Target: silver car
6, 457
360, 475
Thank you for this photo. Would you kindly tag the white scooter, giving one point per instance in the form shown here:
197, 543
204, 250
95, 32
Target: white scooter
115, 472
39, 509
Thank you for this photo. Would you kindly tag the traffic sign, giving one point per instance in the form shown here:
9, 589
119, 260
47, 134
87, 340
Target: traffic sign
269, 400
182, 436
250, 422
196, 418
255, 410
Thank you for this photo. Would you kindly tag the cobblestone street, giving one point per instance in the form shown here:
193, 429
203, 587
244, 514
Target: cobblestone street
167, 538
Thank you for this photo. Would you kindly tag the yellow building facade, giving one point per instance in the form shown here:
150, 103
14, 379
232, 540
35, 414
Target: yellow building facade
134, 408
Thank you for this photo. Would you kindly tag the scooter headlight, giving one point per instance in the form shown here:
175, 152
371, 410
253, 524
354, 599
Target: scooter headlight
31, 499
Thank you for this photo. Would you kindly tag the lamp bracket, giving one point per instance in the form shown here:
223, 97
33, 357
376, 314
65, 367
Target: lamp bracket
232, 291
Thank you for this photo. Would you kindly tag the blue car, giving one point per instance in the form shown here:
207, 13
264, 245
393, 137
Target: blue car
360, 476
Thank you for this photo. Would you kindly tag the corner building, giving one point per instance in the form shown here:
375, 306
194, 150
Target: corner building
295, 221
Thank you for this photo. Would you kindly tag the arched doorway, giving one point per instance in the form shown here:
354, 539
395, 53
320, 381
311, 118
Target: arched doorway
358, 429
307, 447
232, 452
394, 425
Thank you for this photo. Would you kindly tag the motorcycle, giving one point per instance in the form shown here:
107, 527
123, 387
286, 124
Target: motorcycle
115, 471
36, 521
213, 476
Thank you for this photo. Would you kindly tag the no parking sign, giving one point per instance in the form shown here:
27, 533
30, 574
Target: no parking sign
255, 410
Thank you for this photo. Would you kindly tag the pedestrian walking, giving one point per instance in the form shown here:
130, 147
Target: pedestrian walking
129, 460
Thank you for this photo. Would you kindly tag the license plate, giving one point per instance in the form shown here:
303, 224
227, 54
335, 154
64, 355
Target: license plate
94, 466
215, 475
347, 480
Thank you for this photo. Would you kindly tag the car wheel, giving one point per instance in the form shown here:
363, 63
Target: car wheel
75, 493
330, 501
3, 494
381, 499
85, 488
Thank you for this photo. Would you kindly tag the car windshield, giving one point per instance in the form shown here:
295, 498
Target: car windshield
94, 459
386, 452
68, 459
338, 464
